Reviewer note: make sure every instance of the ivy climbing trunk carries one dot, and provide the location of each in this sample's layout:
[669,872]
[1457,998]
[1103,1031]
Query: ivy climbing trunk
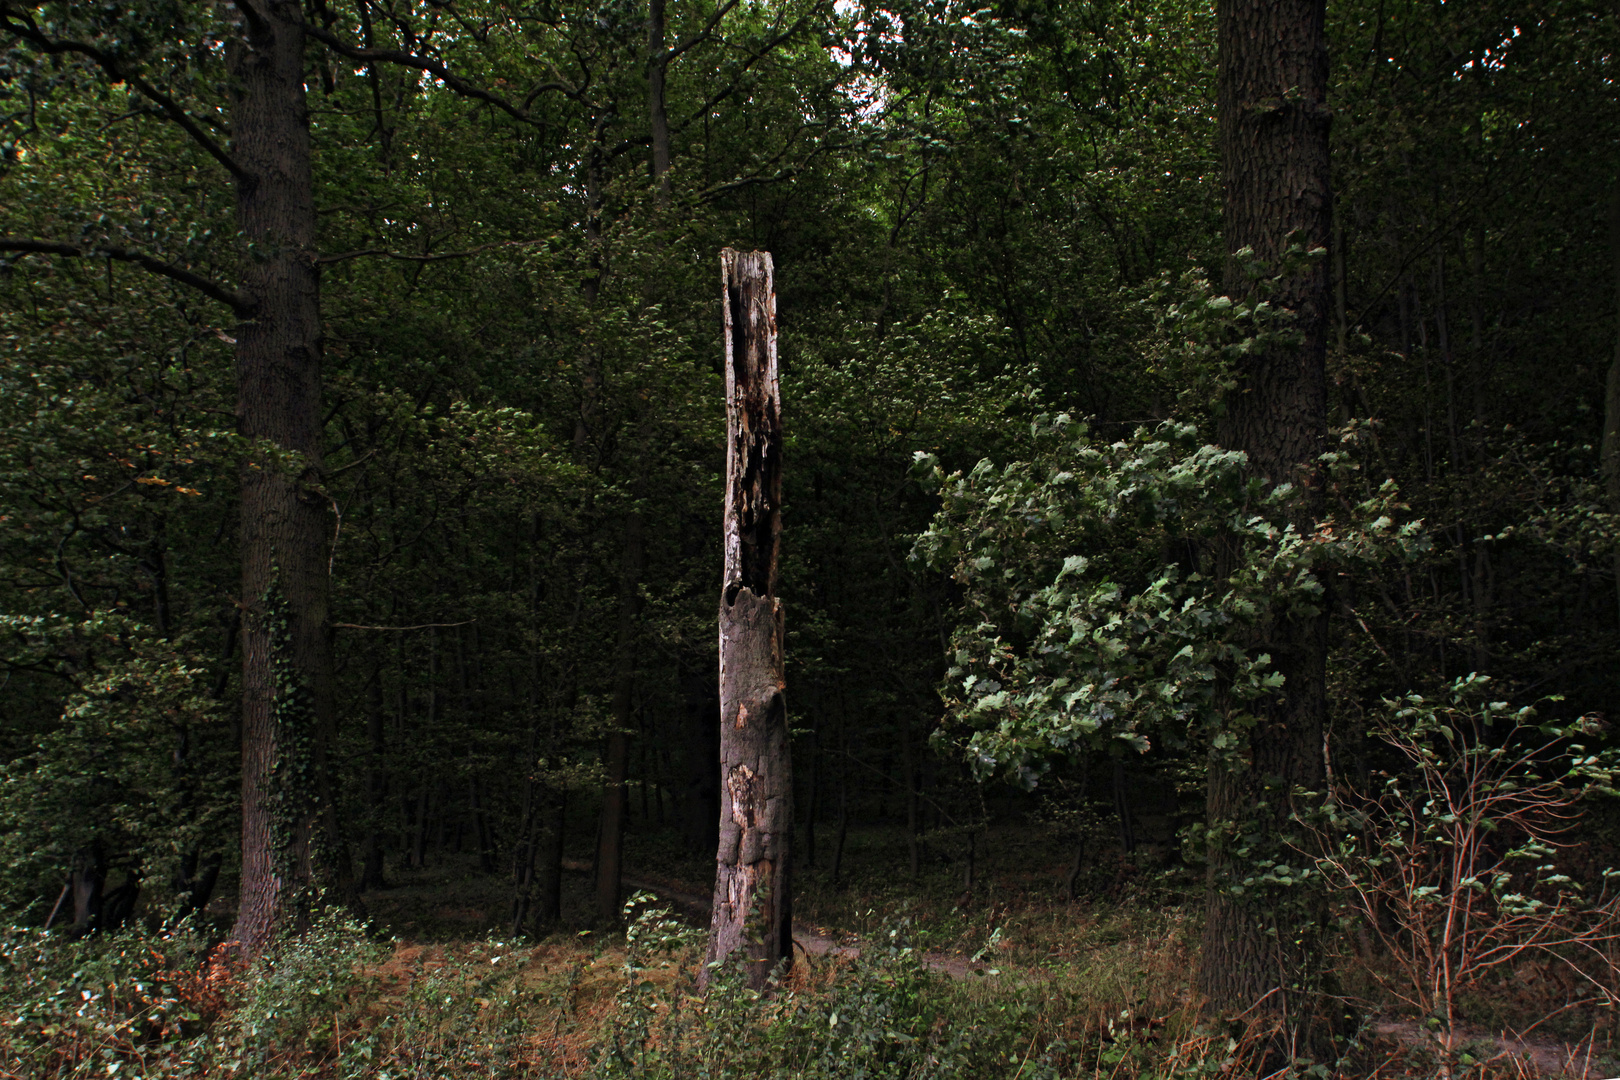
[1272,87]
[286,665]
[753,888]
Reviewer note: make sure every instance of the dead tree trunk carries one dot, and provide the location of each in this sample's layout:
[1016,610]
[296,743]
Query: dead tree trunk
[753,896]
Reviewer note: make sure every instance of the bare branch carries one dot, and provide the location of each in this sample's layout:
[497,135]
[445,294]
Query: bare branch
[117,72]
[403,257]
[238,303]
[702,35]
[433,67]
[419,626]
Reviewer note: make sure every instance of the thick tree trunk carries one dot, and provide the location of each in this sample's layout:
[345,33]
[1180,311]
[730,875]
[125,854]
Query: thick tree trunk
[1274,155]
[286,669]
[753,887]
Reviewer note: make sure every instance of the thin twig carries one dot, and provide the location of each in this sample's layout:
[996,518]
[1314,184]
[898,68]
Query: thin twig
[419,626]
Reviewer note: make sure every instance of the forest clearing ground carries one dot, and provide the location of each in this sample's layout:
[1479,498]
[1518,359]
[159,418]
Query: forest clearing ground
[1116,967]
[439,987]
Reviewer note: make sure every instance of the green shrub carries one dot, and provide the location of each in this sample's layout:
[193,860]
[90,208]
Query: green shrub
[882,1016]
[125,1005]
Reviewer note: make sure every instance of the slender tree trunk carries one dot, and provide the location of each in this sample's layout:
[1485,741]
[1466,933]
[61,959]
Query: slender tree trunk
[968,868]
[657,115]
[753,887]
[1122,808]
[523,851]
[810,812]
[419,845]
[1081,835]
[843,830]
[701,805]
[908,773]
[1611,396]
[371,875]
[1274,154]
[644,781]
[548,900]
[287,703]
[615,798]
[483,835]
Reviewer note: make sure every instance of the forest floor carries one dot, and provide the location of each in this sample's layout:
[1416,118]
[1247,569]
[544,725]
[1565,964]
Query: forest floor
[1114,965]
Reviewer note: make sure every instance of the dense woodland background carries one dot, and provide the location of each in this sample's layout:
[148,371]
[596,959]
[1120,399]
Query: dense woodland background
[981,218]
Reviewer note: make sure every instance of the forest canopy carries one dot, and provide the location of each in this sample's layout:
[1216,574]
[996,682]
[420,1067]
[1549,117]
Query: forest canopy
[1194,439]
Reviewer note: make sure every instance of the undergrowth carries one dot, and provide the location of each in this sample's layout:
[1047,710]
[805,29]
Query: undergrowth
[334,1003]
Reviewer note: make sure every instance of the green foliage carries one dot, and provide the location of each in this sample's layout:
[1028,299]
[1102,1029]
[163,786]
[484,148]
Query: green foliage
[1100,610]
[884,1016]
[107,775]
[293,996]
[122,1004]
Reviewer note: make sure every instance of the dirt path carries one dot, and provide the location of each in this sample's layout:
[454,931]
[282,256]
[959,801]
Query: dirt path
[813,941]
[1548,1057]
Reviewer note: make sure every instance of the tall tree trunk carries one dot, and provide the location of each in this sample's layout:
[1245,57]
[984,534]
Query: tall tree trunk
[1082,834]
[1274,156]
[371,873]
[753,885]
[657,115]
[287,702]
[548,901]
[908,773]
[1611,396]
[1122,808]
[810,812]
[701,803]
[615,797]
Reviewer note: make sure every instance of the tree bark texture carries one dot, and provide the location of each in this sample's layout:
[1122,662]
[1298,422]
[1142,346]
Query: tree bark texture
[284,524]
[1272,79]
[753,889]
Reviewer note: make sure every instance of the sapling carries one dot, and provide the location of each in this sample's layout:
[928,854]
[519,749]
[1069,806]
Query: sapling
[1451,859]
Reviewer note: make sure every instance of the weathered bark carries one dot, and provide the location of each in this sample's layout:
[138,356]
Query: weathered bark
[753,887]
[1274,155]
[284,527]
[615,799]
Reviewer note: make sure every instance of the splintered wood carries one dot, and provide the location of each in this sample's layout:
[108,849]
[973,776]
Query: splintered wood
[753,887]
